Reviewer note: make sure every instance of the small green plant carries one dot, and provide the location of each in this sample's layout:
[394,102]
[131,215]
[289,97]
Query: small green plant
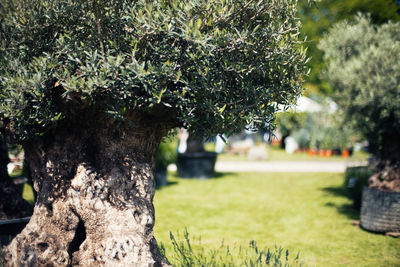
[185,255]
[166,153]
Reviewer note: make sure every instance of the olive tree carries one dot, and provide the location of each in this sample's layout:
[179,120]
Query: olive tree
[89,88]
[363,65]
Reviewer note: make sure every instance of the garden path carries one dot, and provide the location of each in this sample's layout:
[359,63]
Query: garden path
[280,166]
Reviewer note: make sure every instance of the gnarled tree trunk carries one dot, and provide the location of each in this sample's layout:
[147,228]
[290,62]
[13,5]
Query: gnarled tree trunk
[95,188]
[12,205]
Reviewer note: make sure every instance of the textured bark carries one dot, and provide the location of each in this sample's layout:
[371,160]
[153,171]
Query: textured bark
[95,186]
[12,205]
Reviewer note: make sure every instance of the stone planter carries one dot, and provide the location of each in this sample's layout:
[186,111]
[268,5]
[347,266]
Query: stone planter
[196,165]
[380,210]
[10,228]
[161,177]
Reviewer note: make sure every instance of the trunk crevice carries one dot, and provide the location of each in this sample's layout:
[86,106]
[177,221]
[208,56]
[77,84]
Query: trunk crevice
[79,238]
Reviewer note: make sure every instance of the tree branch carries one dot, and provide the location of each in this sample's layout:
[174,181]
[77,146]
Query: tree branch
[98,25]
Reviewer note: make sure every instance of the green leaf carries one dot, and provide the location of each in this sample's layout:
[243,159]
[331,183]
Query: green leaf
[222,109]
[198,23]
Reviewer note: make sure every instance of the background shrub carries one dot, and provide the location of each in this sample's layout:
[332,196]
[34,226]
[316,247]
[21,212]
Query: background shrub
[355,179]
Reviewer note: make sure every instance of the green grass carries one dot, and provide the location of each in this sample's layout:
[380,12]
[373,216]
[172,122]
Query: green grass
[27,194]
[306,213]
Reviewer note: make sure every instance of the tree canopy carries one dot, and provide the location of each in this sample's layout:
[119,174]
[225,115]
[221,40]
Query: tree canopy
[363,65]
[317,19]
[210,65]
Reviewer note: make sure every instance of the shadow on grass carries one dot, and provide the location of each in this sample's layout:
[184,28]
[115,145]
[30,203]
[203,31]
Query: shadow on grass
[223,174]
[217,175]
[169,183]
[346,209]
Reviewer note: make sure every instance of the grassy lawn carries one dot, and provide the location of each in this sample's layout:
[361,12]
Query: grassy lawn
[306,213]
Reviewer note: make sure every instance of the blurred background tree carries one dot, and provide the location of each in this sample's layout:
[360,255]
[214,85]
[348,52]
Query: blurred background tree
[362,64]
[317,19]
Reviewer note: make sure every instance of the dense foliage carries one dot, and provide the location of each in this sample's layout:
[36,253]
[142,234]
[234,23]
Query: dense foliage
[318,130]
[210,65]
[363,65]
[317,19]
[289,121]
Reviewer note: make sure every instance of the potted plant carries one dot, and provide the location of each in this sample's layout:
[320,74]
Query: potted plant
[363,75]
[195,162]
[328,140]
